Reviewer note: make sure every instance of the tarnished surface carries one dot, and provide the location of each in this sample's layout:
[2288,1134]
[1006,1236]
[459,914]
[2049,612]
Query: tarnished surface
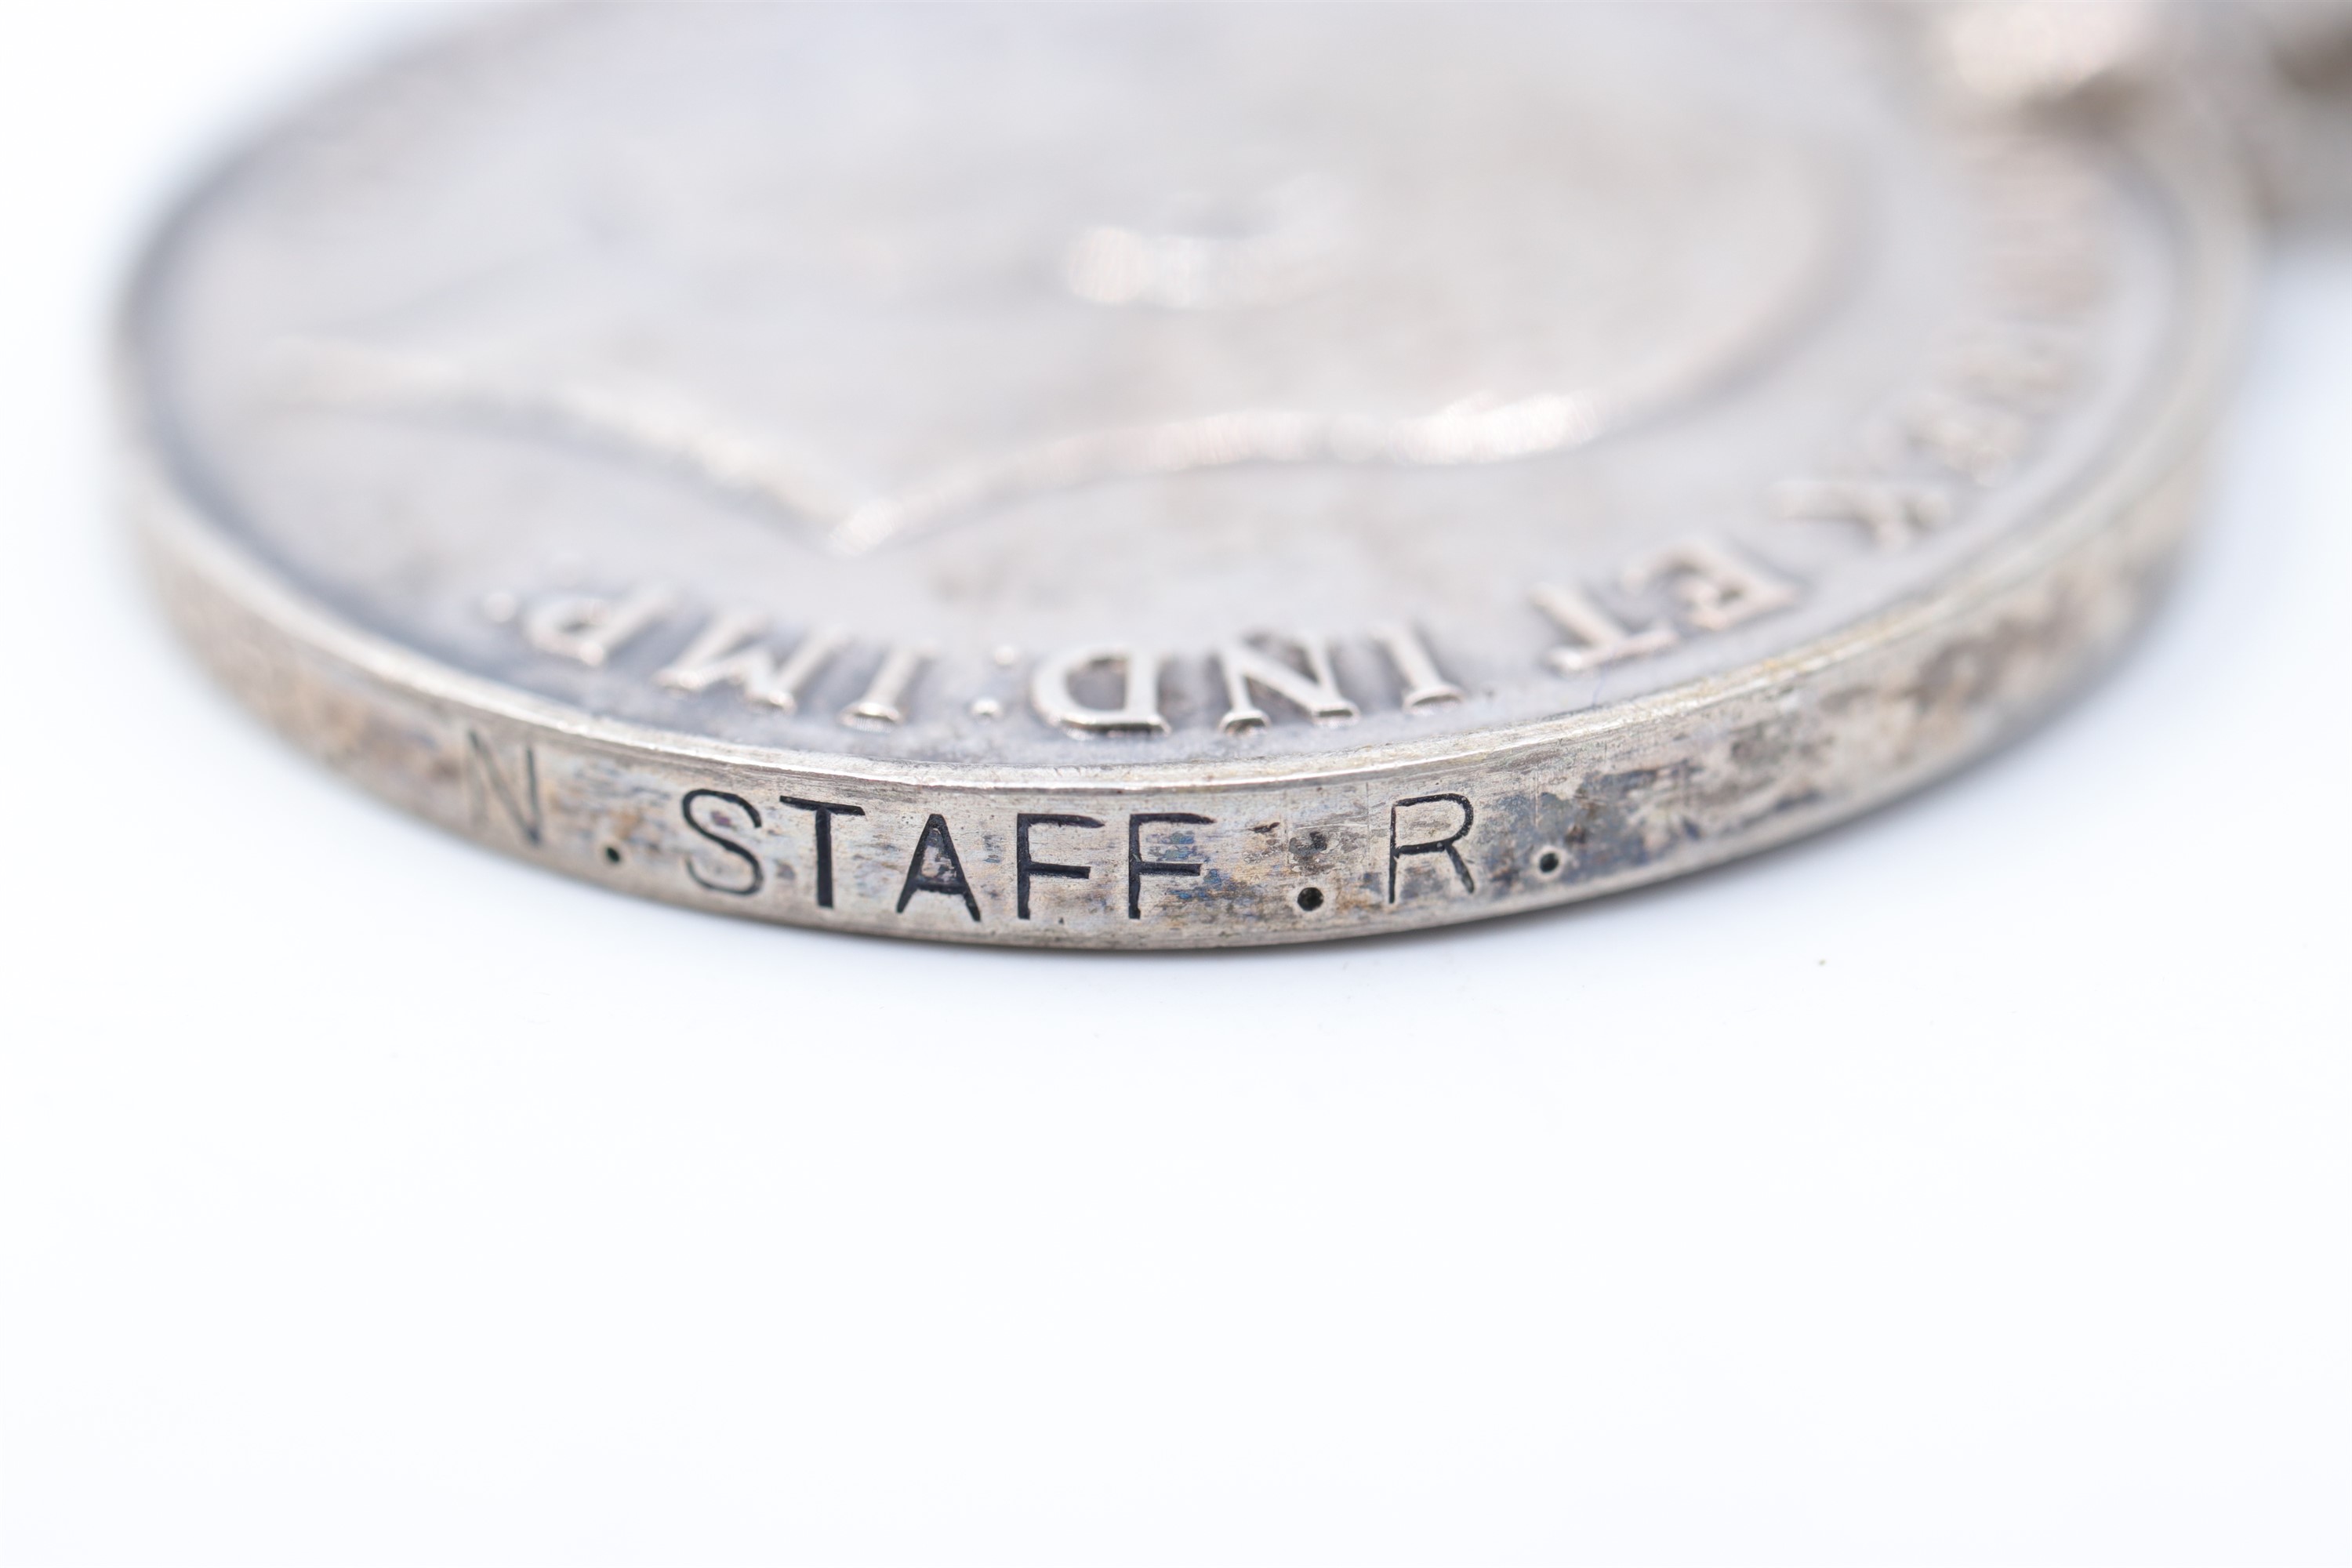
[1291,491]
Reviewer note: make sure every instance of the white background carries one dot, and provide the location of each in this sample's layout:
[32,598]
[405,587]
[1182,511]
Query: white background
[1968,1184]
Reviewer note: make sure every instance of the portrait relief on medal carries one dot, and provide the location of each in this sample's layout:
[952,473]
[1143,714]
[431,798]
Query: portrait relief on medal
[1152,386]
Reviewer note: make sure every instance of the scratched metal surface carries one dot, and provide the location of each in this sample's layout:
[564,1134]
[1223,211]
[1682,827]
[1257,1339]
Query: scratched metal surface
[1353,470]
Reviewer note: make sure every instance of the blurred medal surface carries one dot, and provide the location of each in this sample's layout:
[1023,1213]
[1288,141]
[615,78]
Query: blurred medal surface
[1185,477]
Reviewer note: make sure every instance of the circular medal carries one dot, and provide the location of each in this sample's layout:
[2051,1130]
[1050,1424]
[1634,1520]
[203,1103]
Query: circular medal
[1134,477]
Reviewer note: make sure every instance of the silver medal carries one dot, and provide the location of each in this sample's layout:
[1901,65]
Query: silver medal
[1133,478]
